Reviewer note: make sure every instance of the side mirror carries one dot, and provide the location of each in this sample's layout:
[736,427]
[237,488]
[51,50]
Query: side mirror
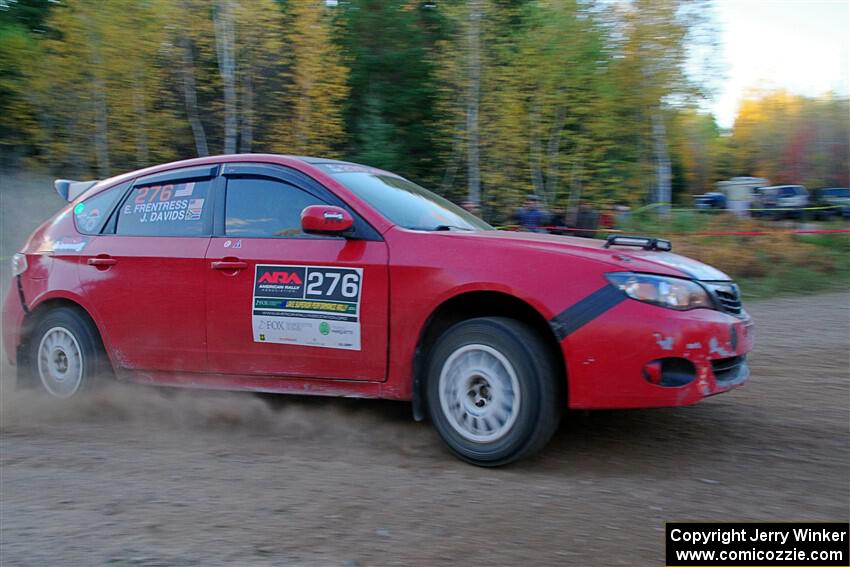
[325,219]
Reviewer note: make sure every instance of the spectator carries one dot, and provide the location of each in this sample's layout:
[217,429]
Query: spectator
[558,221]
[606,217]
[622,213]
[530,216]
[588,219]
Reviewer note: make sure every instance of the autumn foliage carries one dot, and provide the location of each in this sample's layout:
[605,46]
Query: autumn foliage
[482,99]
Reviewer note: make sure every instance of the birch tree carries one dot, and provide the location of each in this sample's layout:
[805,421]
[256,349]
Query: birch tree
[472,100]
[652,72]
[224,40]
[318,89]
[261,69]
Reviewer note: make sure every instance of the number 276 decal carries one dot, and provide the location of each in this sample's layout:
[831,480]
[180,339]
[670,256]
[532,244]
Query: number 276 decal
[332,284]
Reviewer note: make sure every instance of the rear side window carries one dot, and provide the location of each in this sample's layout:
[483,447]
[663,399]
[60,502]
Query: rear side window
[265,208]
[169,209]
[91,214]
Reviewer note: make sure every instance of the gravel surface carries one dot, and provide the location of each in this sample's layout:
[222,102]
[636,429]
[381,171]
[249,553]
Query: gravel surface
[142,476]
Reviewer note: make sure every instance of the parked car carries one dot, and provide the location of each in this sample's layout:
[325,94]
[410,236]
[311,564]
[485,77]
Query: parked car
[831,202]
[312,276]
[781,201]
[712,201]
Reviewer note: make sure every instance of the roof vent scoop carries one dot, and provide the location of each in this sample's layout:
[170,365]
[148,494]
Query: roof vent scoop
[70,190]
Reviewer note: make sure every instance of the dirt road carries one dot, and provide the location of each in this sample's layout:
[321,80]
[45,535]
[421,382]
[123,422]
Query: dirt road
[142,476]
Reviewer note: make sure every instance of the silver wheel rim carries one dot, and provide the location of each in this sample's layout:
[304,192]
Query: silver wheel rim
[60,362]
[479,393]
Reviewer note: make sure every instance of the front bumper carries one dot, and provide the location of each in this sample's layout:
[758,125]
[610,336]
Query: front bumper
[607,358]
[13,321]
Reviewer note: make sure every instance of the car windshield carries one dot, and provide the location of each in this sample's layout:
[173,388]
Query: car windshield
[407,204]
[789,191]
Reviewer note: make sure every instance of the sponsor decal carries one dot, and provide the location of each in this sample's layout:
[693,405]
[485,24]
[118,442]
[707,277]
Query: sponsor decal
[165,203]
[346,168]
[281,278]
[89,222]
[87,219]
[70,244]
[307,305]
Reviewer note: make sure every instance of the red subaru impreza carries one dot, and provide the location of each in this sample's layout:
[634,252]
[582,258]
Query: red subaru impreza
[282,274]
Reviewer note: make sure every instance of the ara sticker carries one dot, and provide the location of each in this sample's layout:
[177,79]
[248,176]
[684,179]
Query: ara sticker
[307,305]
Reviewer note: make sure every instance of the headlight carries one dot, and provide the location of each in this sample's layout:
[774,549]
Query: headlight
[673,293]
[19,264]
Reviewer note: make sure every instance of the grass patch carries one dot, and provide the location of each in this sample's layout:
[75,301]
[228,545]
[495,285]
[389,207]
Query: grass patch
[765,265]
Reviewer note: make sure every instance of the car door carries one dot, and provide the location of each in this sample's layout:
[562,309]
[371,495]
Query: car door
[281,303]
[144,274]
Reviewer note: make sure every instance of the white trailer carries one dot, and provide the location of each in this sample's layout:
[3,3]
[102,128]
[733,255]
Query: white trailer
[739,193]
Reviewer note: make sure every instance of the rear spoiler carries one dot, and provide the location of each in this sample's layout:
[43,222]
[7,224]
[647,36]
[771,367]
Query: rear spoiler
[70,190]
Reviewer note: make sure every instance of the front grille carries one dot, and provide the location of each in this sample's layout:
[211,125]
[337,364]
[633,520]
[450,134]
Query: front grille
[727,296]
[729,369]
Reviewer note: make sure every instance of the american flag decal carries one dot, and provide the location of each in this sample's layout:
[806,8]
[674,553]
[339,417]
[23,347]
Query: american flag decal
[196,207]
[185,190]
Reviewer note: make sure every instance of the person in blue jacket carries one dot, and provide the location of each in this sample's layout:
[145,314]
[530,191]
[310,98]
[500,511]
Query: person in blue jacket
[531,216]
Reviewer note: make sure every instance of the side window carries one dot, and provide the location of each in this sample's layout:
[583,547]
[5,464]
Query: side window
[170,209]
[264,208]
[91,214]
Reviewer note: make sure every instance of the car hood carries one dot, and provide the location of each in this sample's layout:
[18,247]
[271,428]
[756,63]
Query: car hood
[624,258]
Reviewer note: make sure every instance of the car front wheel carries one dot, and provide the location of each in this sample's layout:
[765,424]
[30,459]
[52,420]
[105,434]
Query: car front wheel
[492,391]
[66,354]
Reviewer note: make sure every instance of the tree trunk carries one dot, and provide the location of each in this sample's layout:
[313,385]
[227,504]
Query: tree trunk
[246,139]
[191,98]
[662,163]
[454,164]
[101,137]
[535,150]
[474,40]
[575,190]
[141,119]
[553,149]
[227,70]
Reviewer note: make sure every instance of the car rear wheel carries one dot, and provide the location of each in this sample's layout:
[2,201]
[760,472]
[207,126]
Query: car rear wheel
[492,391]
[65,353]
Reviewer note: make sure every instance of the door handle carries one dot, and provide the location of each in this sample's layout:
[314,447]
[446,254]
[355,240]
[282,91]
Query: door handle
[228,265]
[102,262]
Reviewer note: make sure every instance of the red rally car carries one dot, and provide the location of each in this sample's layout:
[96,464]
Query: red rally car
[313,276]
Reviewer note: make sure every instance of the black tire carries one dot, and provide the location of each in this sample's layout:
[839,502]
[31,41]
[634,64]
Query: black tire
[76,346]
[524,423]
